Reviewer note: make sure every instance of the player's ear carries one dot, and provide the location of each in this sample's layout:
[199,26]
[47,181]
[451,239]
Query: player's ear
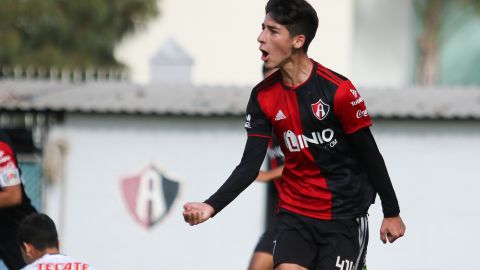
[28,252]
[298,41]
[24,246]
[27,248]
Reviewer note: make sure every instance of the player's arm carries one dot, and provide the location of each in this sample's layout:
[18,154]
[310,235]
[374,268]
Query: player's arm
[350,108]
[10,183]
[10,196]
[259,131]
[243,175]
[267,176]
[366,149]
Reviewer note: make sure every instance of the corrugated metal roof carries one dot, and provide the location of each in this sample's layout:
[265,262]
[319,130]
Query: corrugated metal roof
[424,103]
[123,97]
[128,98]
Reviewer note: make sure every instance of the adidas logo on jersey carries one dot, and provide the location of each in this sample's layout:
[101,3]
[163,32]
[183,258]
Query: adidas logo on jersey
[280,116]
[354,93]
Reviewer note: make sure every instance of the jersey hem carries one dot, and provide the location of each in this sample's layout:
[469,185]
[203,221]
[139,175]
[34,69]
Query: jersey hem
[322,216]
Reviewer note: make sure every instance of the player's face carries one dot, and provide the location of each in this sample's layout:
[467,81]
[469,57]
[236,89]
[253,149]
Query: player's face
[276,44]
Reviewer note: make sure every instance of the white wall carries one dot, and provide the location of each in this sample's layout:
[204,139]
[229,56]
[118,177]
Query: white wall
[434,169]
[433,166]
[97,226]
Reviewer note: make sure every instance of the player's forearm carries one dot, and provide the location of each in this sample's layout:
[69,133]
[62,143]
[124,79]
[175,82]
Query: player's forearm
[366,149]
[10,196]
[243,175]
[270,175]
[381,182]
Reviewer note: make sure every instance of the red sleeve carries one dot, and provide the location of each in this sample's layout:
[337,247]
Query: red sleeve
[257,124]
[9,173]
[350,108]
[6,156]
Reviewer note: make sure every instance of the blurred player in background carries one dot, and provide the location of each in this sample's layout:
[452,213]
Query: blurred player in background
[38,239]
[14,204]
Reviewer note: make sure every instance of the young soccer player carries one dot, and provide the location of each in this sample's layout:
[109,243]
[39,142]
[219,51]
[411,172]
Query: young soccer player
[333,168]
[38,239]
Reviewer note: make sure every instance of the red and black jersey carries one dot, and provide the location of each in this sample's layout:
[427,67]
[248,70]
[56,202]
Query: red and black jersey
[275,159]
[10,217]
[322,177]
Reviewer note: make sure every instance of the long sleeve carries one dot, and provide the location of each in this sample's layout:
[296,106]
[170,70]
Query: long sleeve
[243,175]
[366,149]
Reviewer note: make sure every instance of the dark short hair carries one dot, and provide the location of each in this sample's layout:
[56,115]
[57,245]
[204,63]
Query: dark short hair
[298,16]
[38,230]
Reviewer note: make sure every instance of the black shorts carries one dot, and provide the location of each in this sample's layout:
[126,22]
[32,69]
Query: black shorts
[321,244]
[265,243]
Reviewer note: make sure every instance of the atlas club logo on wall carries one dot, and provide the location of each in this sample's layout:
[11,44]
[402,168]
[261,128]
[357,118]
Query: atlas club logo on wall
[149,195]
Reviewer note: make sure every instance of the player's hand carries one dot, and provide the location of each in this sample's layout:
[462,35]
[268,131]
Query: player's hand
[195,213]
[392,229]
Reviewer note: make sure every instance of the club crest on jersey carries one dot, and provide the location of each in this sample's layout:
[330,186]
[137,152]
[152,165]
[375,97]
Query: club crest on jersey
[149,195]
[320,109]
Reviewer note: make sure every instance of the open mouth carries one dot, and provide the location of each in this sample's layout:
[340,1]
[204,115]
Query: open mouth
[264,55]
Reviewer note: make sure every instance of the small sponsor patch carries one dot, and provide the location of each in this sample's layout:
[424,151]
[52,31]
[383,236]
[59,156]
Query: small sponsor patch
[4,159]
[357,101]
[247,122]
[9,176]
[362,113]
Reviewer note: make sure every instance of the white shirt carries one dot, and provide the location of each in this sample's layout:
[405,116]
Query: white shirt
[57,262]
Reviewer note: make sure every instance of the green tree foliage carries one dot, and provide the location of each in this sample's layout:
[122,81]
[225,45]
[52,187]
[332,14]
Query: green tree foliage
[432,23]
[68,33]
